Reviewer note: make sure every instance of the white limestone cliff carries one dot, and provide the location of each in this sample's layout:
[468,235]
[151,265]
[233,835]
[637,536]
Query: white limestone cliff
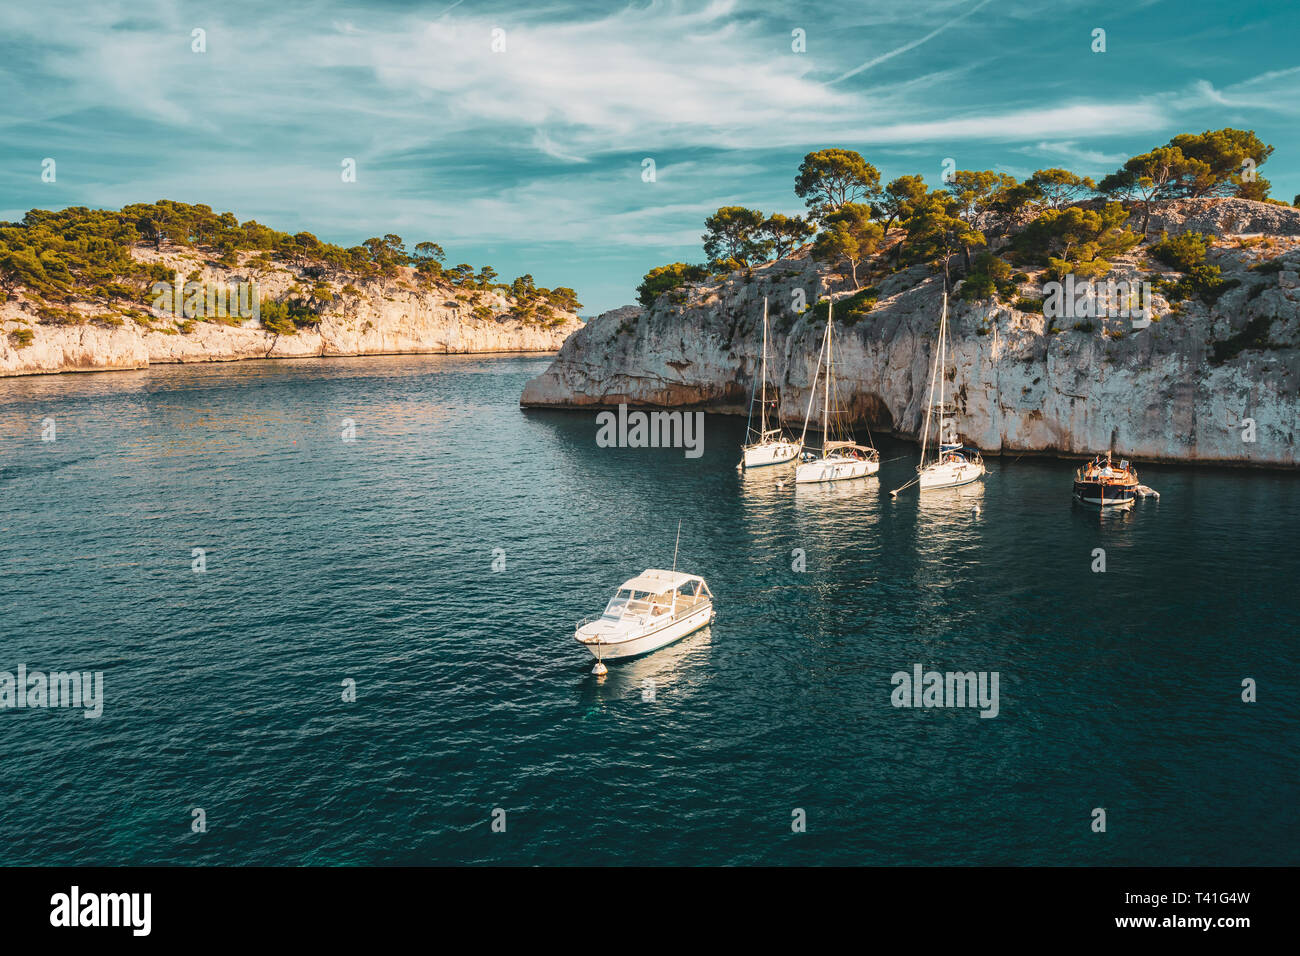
[1179,390]
[385,317]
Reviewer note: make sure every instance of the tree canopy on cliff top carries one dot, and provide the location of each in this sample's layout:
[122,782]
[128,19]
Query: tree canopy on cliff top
[852,215]
[79,254]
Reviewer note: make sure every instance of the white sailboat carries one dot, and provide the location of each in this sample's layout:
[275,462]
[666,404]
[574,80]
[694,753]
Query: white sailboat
[954,464]
[840,458]
[766,446]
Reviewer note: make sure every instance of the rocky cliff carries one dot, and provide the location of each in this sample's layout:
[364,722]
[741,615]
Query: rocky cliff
[385,317]
[1208,383]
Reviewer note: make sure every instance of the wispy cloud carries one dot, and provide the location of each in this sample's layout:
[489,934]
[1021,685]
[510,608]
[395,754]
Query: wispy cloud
[1076,157]
[913,44]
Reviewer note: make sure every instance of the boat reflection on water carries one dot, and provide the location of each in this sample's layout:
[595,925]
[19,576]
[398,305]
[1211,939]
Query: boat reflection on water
[1105,517]
[955,506]
[653,674]
[830,508]
[768,483]
[858,489]
[949,520]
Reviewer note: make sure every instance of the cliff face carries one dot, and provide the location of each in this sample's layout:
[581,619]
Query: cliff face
[392,316]
[1178,390]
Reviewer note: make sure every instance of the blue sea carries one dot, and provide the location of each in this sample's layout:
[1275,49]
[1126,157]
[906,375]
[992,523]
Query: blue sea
[438,561]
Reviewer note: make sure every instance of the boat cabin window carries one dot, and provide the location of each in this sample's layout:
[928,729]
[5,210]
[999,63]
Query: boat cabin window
[689,589]
[617,603]
[627,600]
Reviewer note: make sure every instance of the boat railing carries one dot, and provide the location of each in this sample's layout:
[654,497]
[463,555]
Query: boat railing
[647,615]
[1105,474]
[687,603]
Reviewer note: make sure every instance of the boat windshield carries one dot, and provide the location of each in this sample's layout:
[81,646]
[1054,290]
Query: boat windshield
[637,602]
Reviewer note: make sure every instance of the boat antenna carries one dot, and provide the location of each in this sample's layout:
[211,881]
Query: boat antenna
[679,541]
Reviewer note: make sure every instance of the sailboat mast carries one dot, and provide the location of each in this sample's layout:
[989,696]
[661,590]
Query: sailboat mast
[812,393]
[934,372]
[943,368]
[762,415]
[830,378]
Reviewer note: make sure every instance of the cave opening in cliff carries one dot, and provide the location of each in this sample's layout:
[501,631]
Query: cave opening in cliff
[871,410]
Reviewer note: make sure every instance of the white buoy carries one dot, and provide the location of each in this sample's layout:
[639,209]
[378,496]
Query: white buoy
[600,670]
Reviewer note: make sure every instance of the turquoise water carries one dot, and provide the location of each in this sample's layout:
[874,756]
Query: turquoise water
[372,561]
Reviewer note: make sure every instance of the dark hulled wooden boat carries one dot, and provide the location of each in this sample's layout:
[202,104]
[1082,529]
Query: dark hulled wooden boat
[1105,484]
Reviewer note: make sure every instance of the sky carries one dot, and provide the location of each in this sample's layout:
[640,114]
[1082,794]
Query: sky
[531,157]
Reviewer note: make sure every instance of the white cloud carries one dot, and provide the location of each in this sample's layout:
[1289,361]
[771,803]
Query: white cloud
[1074,155]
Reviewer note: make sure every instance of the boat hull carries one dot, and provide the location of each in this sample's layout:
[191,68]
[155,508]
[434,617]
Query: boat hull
[948,475]
[1101,495]
[618,647]
[832,469]
[764,456]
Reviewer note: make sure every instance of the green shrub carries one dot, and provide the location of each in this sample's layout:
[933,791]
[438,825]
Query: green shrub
[669,278]
[850,310]
[1186,253]
[275,317]
[989,276]
[1182,252]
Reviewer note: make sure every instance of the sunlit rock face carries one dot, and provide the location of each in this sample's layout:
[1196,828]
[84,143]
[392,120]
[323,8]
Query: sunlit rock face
[1197,384]
[387,317]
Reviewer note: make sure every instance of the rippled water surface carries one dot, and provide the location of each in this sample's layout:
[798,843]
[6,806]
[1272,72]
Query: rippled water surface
[372,561]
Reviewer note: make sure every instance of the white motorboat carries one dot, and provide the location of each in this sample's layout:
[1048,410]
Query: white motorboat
[841,457]
[954,464]
[765,446]
[650,611]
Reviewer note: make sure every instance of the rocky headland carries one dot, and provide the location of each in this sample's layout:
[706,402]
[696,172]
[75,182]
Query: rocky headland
[1206,381]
